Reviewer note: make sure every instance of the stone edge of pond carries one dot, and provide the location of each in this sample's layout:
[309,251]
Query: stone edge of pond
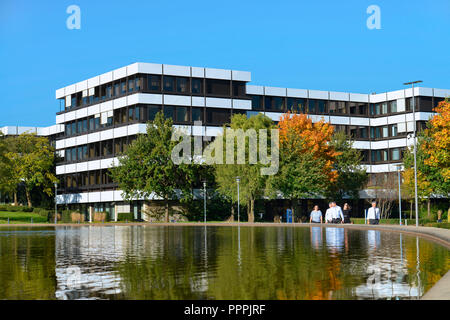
[440,290]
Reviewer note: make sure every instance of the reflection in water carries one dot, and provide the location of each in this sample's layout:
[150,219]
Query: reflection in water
[158,262]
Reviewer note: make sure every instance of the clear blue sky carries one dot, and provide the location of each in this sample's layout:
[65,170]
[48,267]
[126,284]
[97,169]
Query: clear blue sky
[322,45]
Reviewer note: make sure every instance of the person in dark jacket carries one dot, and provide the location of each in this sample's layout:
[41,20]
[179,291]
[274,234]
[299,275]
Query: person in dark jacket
[347,211]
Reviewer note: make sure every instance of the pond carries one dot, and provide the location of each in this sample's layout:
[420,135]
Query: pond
[197,262]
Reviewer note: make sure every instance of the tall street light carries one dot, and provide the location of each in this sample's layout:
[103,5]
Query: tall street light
[238,180]
[204,199]
[56,203]
[399,166]
[415,149]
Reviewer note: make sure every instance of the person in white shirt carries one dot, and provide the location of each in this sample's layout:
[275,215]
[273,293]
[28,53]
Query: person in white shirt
[338,215]
[329,213]
[373,214]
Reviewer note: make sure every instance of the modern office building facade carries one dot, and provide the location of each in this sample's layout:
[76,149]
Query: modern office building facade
[100,116]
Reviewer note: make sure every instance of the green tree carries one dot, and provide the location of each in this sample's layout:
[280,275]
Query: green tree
[351,176]
[147,169]
[252,182]
[30,160]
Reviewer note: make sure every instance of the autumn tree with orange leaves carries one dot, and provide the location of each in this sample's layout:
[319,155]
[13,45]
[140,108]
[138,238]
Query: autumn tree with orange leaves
[306,158]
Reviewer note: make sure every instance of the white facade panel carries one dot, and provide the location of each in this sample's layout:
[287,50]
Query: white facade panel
[70,89]
[317,118]
[340,96]
[135,99]
[177,100]
[275,91]
[241,75]
[213,131]
[242,104]
[397,143]
[396,119]
[80,86]
[120,73]
[375,122]
[69,116]
[106,106]
[106,77]
[94,82]
[119,103]
[198,101]
[60,170]
[425,91]
[361,145]
[197,72]
[317,94]
[379,168]
[217,74]
[151,68]
[60,144]
[71,168]
[359,121]
[375,98]
[107,196]
[94,165]
[218,102]
[149,98]
[93,110]
[70,142]
[394,95]
[107,163]
[59,94]
[120,132]
[176,70]
[60,118]
[198,131]
[81,140]
[401,105]
[95,197]
[376,145]
[93,137]
[275,116]
[137,128]
[106,135]
[401,127]
[297,93]
[442,93]
[82,166]
[250,89]
[359,97]
[339,120]
[81,113]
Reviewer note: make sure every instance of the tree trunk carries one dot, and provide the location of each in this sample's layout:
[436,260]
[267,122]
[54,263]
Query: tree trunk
[251,212]
[231,218]
[429,208]
[27,192]
[15,199]
[166,215]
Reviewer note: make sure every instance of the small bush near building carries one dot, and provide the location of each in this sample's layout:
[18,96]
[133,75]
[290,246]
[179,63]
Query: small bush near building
[125,216]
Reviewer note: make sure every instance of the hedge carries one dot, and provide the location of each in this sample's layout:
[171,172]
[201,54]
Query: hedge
[10,208]
[125,216]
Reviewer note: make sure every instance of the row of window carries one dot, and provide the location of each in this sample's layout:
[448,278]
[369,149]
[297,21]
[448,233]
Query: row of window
[155,84]
[144,113]
[86,179]
[310,106]
[385,155]
[100,149]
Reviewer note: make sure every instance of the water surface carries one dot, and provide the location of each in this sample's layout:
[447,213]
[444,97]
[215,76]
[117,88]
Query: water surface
[158,262]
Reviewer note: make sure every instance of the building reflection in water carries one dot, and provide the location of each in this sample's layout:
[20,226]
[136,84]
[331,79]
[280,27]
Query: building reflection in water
[386,270]
[316,237]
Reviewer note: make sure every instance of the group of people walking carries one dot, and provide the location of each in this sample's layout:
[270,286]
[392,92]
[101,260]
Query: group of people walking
[335,214]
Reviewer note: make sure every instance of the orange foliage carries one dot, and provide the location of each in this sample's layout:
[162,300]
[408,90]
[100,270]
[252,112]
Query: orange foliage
[315,138]
[438,144]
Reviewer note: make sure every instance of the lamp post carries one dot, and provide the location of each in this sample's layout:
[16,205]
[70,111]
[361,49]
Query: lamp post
[415,149]
[204,199]
[56,203]
[238,180]
[399,194]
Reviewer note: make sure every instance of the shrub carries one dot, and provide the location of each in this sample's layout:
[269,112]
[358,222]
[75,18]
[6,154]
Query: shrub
[125,216]
[10,208]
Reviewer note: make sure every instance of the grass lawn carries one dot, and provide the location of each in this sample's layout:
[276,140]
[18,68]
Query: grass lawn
[21,217]
[411,222]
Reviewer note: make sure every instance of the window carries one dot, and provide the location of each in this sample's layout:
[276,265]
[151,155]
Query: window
[426,104]
[109,91]
[152,111]
[182,85]
[296,105]
[393,106]
[197,114]
[138,84]
[131,85]
[217,116]
[385,132]
[169,84]
[117,89]
[337,107]
[218,87]
[79,126]
[257,103]
[154,83]
[68,129]
[197,86]
[311,106]
[358,108]
[409,103]
[238,89]
[123,86]
[130,114]
[182,114]
[107,147]
[274,103]
[363,132]
[394,130]
[85,126]
[396,154]
[321,106]
[169,112]
[384,108]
